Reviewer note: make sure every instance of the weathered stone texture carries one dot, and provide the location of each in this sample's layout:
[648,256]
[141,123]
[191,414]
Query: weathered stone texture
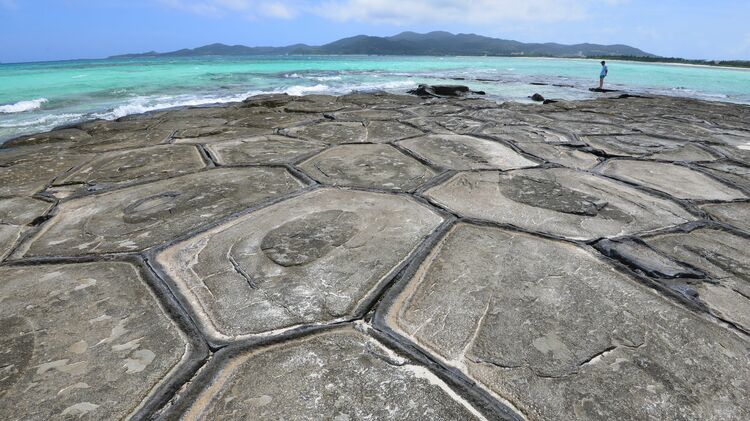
[370,166]
[81,341]
[558,201]
[139,217]
[736,214]
[262,150]
[458,152]
[678,181]
[338,375]
[557,332]
[312,259]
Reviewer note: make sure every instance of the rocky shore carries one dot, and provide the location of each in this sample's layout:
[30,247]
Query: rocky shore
[380,256]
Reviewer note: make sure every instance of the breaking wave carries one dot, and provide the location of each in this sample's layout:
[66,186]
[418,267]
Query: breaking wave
[23,106]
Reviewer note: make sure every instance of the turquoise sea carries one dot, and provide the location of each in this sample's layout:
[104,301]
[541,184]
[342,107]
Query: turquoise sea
[39,96]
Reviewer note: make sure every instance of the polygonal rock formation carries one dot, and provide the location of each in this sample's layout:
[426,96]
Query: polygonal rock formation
[15,214]
[82,341]
[734,173]
[735,214]
[562,155]
[105,141]
[725,257]
[340,375]
[466,153]
[204,135]
[111,169]
[332,133]
[267,119]
[262,150]
[24,175]
[368,114]
[558,201]
[553,330]
[62,137]
[389,131]
[678,181]
[316,258]
[369,166]
[139,217]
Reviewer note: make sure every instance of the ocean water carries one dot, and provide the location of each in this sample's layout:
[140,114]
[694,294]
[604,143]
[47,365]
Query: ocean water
[36,97]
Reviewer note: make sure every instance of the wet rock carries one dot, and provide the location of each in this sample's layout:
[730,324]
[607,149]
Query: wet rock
[553,330]
[316,258]
[725,257]
[138,217]
[557,201]
[641,257]
[112,169]
[267,101]
[466,152]
[369,166]
[537,98]
[82,341]
[735,214]
[319,375]
[262,150]
[678,181]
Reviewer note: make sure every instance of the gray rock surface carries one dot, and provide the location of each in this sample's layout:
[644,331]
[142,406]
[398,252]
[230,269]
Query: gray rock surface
[678,181]
[369,166]
[139,217]
[558,201]
[557,332]
[262,150]
[380,256]
[81,341]
[736,214]
[725,257]
[315,258]
[466,153]
[319,377]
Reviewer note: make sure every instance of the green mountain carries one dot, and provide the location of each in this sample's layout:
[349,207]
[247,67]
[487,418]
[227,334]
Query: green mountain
[411,43]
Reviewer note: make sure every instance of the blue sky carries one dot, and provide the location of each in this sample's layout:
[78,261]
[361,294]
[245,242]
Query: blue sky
[34,30]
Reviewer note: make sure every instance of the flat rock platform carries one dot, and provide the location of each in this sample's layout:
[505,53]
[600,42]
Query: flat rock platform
[376,256]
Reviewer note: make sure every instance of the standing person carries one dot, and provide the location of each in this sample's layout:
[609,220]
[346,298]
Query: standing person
[602,74]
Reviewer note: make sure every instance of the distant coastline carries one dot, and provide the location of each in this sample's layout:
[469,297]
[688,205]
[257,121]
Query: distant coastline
[742,64]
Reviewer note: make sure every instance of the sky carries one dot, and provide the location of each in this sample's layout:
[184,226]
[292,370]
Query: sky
[43,30]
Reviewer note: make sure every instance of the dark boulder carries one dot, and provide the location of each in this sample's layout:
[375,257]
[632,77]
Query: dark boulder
[443,91]
[537,98]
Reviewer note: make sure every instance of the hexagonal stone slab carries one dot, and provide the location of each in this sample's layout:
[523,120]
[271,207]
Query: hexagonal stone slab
[26,174]
[262,150]
[62,137]
[82,341]
[726,259]
[113,169]
[273,119]
[565,156]
[316,258]
[734,173]
[321,376]
[330,132]
[369,166]
[641,145]
[15,214]
[558,201]
[138,217]
[554,330]
[105,141]
[678,181]
[204,135]
[736,214]
[389,131]
[466,153]
[524,134]
[368,114]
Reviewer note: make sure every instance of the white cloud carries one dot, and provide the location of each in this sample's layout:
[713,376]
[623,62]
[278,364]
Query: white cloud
[403,12]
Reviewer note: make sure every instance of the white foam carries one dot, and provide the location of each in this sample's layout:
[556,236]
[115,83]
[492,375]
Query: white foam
[142,104]
[23,106]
